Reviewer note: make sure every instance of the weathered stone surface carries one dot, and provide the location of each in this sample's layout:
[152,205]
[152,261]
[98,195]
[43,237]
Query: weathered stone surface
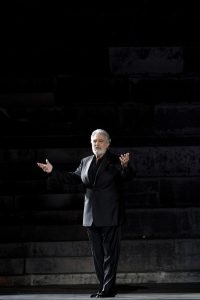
[157,90]
[90,278]
[126,90]
[59,265]
[183,119]
[27,83]
[91,89]
[65,225]
[131,118]
[11,266]
[11,233]
[150,161]
[19,233]
[187,254]
[162,223]
[14,156]
[57,249]
[64,155]
[166,161]
[138,260]
[49,201]
[54,233]
[142,192]
[180,192]
[45,249]
[132,60]
[163,192]
[159,255]
[142,199]
[136,255]
[70,218]
[27,99]
[12,250]
[15,186]
[6,203]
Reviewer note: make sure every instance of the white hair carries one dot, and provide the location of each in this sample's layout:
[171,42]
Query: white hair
[103,132]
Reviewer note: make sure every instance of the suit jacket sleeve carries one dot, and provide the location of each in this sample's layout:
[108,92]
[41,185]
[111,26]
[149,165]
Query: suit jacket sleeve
[59,180]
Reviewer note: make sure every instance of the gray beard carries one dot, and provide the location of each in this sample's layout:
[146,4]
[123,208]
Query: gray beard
[99,152]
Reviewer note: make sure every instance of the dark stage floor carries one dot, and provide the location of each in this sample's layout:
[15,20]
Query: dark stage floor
[139,292]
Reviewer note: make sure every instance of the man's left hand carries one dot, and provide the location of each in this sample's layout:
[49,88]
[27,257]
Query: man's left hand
[124,159]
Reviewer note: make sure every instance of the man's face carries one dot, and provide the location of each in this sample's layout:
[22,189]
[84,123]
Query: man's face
[99,144]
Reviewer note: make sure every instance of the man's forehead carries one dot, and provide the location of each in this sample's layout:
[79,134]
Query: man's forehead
[99,136]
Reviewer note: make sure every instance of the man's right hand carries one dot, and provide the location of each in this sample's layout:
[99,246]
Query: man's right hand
[46,167]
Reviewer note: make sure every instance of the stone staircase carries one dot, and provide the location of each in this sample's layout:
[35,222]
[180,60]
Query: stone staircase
[44,243]
[146,93]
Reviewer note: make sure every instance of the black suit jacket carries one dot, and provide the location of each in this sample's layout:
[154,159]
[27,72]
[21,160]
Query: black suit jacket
[103,204]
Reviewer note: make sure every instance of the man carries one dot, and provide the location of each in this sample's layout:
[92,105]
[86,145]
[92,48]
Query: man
[102,175]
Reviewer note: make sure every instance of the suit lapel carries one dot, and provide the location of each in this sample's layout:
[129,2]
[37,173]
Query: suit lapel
[87,166]
[102,167]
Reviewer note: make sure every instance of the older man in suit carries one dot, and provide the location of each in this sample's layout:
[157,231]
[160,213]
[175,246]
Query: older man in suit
[102,175]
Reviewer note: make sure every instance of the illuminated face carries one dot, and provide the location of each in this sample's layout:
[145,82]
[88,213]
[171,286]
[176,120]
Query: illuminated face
[100,144]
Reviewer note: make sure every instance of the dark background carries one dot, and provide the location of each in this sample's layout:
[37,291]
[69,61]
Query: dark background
[66,70]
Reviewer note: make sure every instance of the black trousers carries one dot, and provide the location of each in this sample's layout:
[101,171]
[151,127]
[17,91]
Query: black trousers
[105,245]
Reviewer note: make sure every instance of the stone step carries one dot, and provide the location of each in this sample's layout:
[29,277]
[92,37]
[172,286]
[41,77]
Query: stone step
[31,186]
[171,248]
[165,223]
[15,187]
[44,202]
[37,217]
[127,133]
[61,225]
[133,60]
[28,157]
[177,119]
[137,88]
[62,121]
[141,193]
[74,140]
[120,90]
[69,59]
[133,89]
[20,171]
[150,161]
[153,60]
[126,279]
[45,249]
[26,99]
[174,182]
[27,129]
[92,89]
[163,192]
[27,83]
[136,256]
[42,114]
[24,233]
[168,89]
